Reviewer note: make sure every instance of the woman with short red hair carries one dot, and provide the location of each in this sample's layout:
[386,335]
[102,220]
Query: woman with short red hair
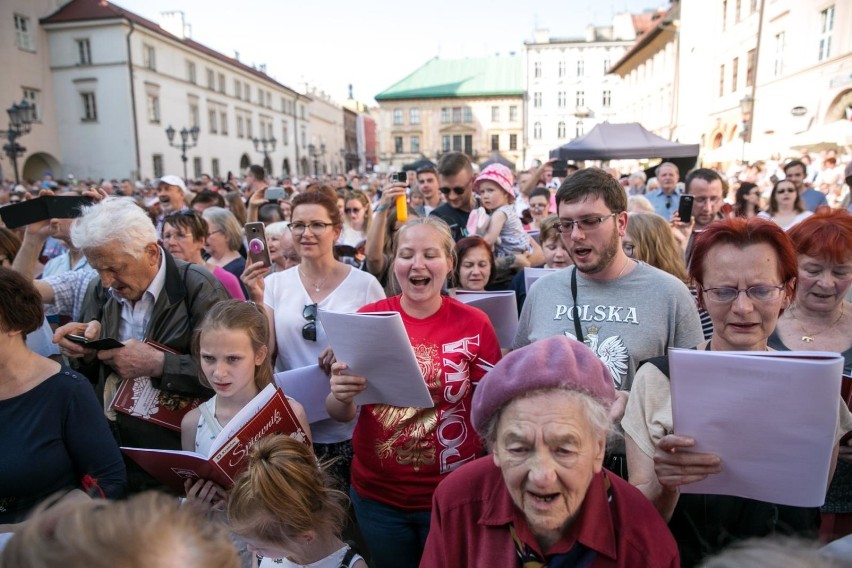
[820,319]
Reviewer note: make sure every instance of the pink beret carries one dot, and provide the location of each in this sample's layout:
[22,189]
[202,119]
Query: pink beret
[554,362]
[499,174]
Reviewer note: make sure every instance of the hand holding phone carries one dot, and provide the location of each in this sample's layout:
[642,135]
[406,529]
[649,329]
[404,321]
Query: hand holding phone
[257,248]
[684,209]
[96,344]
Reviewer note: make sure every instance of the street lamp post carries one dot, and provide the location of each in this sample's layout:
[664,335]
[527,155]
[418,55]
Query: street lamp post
[21,118]
[746,108]
[184,145]
[316,153]
[266,147]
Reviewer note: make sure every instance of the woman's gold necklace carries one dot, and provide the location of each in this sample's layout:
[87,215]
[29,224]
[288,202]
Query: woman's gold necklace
[809,337]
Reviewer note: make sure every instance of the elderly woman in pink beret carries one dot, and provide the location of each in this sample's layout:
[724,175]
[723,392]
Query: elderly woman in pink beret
[543,497]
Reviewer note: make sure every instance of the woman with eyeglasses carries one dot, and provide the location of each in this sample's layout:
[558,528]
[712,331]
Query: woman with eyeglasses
[539,206]
[357,214]
[745,272]
[747,200]
[785,205]
[184,236]
[820,319]
[401,454]
[293,297]
[224,239]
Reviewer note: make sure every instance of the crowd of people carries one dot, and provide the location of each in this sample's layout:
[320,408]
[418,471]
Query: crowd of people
[557,450]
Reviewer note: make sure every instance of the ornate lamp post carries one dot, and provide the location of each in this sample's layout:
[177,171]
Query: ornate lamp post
[21,118]
[316,153]
[746,108]
[184,145]
[266,147]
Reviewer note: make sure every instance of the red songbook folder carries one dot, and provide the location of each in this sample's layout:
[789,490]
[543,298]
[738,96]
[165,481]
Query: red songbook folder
[141,399]
[266,414]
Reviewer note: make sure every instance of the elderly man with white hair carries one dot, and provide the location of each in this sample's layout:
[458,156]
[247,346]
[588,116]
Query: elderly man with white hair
[142,293]
[636,183]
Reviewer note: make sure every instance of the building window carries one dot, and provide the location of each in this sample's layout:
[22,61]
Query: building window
[32,97]
[303,136]
[247,92]
[23,33]
[415,144]
[249,128]
[285,134]
[721,79]
[578,129]
[190,72]
[495,114]
[397,144]
[560,130]
[537,131]
[513,141]
[397,117]
[211,115]
[211,78]
[194,116]
[153,109]
[214,166]
[580,99]
[752,6]
[414,116]
[581,68]
[468,144]
[196,167]
[607,99]
[778,66]
[223,122]
[513,113]
[84,52]
[826,26]
[562,68]
[158,165]
[468,115]
[222,83]
[445,115]
[456,115]
[238,89]
[445,143]
[90,107]
[724,15]
[149,57]
[735,74]
[606,63]
[737,10]
[268,99]
[560,99]
[536,100]
[537,69]
[750,68]
[495,142]
[457,143]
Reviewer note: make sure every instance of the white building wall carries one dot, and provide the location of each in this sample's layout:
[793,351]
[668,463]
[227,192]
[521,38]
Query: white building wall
[326,128]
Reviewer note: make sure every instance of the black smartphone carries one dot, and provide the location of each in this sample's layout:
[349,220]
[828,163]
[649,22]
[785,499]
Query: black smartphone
[257,249]
[684,209]
[97,344]
[560,168]
[43,208]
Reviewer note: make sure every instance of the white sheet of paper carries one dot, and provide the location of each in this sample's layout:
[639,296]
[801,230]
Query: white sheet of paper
[533,274]
[501,307]
[309,386]
[376,346]
[770,416]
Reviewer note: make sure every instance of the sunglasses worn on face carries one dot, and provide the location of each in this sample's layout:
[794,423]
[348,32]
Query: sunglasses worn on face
[309,330]
[351,210]
[456,190]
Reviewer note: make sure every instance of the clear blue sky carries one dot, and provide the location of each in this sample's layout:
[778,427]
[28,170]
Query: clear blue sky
[373,44]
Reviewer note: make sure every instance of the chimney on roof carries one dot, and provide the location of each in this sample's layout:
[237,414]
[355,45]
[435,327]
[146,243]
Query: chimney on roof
[591,33]
[262,68]
[236,55]
[174,23]
[541,36]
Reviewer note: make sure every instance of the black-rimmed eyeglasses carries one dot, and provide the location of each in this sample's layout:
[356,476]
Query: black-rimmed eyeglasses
[586,224]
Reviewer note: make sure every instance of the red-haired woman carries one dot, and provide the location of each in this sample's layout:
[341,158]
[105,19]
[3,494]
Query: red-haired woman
[820,319]
[475,266]
[745,279]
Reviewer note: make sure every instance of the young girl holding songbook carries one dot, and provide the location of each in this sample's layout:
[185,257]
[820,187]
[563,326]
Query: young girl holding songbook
[231,349]
[284,509]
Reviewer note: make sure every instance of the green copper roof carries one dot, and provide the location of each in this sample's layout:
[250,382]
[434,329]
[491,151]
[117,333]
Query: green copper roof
[473,77]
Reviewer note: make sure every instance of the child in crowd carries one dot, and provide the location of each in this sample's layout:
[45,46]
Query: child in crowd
[501,227]
[282,506]
[231,348]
